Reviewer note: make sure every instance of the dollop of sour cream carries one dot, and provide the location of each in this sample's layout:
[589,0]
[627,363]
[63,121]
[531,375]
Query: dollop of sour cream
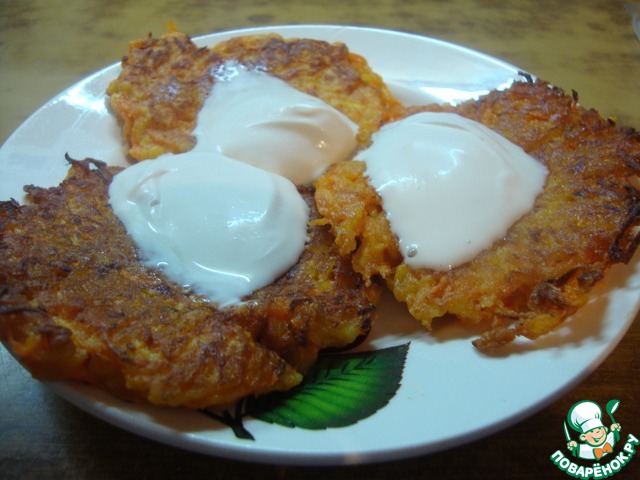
[263,121]
[219,226]
[450,186]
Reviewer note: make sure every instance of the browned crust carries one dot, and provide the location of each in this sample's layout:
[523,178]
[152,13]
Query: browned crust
[586,219]
[165,81]
[157,96]
[76,303]
[325,70]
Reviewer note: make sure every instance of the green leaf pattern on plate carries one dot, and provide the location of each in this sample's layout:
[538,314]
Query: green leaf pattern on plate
[338,391]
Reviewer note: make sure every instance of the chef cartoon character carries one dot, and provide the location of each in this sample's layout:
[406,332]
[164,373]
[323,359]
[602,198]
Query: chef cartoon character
[586,418]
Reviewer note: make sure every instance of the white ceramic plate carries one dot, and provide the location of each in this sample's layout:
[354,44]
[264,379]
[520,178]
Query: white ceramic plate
[450,393]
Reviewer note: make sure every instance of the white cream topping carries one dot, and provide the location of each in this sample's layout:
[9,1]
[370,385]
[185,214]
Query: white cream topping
[263,121]
[222,227]
[450,186]
[212,220]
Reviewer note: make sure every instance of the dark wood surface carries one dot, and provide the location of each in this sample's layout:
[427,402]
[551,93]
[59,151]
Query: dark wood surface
[46,45]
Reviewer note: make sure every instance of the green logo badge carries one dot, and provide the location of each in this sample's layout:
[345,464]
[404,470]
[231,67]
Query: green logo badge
[596,439]
[593,442]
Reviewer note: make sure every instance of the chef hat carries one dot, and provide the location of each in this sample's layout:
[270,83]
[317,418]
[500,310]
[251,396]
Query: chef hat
[585,416]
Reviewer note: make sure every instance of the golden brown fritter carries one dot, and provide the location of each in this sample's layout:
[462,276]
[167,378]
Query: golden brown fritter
[165,81]
[76,303]
[586,219]
[159,92]
[325,70]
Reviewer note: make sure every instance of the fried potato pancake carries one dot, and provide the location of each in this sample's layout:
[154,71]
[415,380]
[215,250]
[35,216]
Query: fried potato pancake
[76,303]
[159,92]
[165,81]
[325,70]
[586,219]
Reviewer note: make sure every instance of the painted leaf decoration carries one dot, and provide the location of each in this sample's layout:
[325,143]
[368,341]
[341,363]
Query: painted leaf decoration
[338,391]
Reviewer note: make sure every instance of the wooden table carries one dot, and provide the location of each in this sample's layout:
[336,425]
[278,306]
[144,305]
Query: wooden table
[47,45]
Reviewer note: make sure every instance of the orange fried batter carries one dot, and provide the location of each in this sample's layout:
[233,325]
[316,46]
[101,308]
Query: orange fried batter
[157,96]
[74,306]
[586,219]
[165,81]
[328,71]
